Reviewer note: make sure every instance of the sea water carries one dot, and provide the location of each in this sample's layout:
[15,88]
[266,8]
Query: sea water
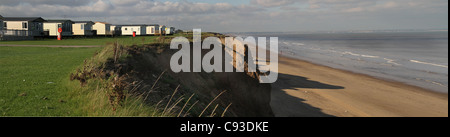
[415,58]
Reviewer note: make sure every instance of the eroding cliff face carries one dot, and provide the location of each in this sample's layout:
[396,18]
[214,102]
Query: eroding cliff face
[144,72]
[248,98]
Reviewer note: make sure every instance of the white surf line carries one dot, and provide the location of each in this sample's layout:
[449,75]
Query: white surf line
[333,51]
[420,62]
[299,44]
[370,56]
[391,61]
[432,82]
[351,53]
[360,55]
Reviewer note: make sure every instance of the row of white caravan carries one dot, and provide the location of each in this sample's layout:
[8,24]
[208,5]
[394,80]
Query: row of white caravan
[37,26]
[143,29]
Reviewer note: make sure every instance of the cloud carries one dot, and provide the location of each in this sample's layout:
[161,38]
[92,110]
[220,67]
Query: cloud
[256,15]
[354,6]
[125,2]
[46,2]
[342,5]
[111,8]
[94,8]
[273,3]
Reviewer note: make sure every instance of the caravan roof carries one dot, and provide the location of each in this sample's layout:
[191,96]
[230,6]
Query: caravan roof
[38,19]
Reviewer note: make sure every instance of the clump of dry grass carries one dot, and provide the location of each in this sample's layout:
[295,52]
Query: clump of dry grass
[211,103]
[169,109]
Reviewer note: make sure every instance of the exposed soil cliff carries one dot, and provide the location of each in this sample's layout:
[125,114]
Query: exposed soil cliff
[145,70]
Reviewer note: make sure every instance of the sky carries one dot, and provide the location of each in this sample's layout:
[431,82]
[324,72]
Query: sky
[244,15]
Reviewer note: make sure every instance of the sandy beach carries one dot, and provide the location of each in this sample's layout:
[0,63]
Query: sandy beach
[305,89]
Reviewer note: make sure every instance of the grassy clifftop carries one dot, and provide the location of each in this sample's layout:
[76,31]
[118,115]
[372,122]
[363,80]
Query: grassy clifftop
[33,80]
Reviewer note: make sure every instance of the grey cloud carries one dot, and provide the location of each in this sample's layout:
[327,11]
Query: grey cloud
[173,8]
[273,3]
[46,2]
[126,2]
[341,3]
[258,15]
[97,8]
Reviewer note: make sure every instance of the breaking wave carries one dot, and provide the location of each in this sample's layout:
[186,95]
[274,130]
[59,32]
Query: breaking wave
[426,63]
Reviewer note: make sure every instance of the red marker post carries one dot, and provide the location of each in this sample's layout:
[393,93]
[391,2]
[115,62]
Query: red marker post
[59,33]
[134,33]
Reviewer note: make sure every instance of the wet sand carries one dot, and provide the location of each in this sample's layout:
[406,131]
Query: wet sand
[305,89]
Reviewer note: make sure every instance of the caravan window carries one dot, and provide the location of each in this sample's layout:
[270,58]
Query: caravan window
[25,25]
[36,26]
[82,27]
[4,25]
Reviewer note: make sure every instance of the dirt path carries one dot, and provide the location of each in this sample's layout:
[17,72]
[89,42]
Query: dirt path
[306,89]
[56,46]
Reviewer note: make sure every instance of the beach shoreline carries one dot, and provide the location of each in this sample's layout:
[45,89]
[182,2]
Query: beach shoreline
[312,90]
[367,75]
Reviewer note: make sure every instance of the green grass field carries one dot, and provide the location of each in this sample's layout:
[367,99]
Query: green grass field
[34,80]
[123,40]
